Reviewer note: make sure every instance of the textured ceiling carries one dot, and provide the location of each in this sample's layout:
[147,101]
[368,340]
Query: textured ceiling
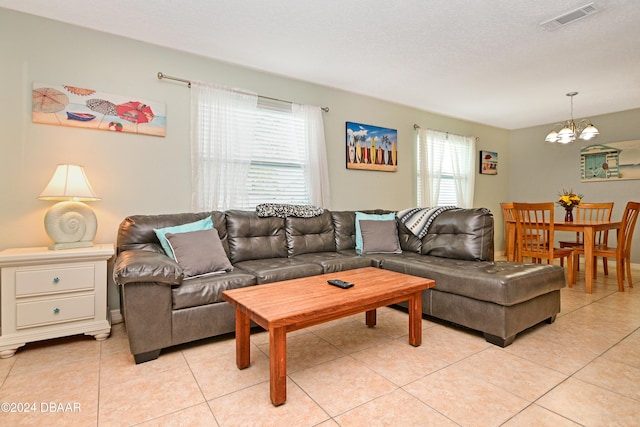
[485,61]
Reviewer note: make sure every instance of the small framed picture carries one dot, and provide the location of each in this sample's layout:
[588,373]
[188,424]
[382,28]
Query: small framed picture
[488,163]
[371,147]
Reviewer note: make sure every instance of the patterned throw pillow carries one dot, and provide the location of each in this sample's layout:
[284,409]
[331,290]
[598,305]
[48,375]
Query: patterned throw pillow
[283,210]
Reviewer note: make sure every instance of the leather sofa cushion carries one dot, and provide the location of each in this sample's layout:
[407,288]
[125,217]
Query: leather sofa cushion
[408,241]
[332,262]
[465,234]
[344,224]
[251,237]
[501,282]
[308,235]
[277,269]
[136,231]
[208,289]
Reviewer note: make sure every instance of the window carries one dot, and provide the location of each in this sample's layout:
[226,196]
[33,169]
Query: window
[278,159]
[248,150]
[445,169]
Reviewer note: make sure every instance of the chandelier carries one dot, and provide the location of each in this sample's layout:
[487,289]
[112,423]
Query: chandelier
[567,134]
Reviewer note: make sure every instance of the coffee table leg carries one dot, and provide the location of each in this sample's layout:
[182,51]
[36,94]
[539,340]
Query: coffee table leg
[371,318]
[415,319]
[243,346]
[278,365]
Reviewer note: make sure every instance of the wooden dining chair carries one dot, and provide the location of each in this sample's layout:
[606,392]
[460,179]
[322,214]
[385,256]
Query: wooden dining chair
[535,236]
[509,217]
[591,212]
[622,251]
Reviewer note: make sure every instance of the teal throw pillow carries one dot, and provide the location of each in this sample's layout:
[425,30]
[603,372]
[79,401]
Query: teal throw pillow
[203,224]
[372,217]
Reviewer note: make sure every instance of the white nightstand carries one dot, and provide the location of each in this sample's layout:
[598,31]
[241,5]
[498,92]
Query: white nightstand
[48,294]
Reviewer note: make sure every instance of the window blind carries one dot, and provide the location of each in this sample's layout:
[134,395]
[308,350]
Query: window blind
[276,173]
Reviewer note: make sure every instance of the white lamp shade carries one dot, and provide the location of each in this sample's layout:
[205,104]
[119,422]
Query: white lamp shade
[566,134]
[589,132]
[552,136]
[69,182]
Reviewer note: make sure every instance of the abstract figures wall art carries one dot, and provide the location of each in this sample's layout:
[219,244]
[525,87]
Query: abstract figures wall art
[371,147]
[73,106]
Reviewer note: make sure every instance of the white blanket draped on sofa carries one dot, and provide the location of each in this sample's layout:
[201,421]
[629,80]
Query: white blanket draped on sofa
[418,220]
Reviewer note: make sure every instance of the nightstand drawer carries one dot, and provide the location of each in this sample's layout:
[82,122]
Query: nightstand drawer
[48,279]
[53,311]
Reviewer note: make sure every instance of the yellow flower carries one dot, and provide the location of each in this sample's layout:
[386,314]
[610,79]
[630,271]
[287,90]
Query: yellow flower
[569,199]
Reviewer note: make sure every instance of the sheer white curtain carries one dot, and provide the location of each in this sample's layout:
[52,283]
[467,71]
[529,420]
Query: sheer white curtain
[230,132]
[446,169]
[317,167]
[220,119]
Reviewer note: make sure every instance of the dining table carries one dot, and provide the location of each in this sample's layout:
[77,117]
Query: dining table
[589,230]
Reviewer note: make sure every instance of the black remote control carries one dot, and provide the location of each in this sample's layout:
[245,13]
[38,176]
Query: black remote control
[340,283]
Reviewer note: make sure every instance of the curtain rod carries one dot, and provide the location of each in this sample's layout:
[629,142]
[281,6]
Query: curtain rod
[161,76]
[417,126]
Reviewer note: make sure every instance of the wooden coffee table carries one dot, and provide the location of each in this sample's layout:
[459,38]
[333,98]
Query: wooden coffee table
[295,304]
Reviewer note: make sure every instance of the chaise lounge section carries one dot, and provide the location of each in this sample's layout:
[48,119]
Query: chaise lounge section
[162,308]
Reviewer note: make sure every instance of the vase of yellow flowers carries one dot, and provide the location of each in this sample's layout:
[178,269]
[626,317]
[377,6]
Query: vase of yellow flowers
[569,200]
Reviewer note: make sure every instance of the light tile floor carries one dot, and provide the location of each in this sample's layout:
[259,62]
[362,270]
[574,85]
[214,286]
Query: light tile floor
[582,370]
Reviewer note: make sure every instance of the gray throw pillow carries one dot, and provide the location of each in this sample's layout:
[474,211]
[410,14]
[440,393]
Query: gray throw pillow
[380,236]
[199,252]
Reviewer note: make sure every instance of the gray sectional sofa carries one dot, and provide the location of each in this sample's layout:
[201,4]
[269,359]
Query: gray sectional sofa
[162,308]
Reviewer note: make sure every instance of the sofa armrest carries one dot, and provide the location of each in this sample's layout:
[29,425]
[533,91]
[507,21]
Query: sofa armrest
[146,308]
[146,266]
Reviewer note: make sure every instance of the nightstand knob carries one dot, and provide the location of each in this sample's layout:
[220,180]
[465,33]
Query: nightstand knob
[56,279]
[56,310]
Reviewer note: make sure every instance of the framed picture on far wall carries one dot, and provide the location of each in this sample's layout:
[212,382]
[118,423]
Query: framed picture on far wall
[610,161]
[488,163]
[371,147]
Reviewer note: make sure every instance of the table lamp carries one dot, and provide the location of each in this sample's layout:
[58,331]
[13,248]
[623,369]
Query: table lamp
[70,223]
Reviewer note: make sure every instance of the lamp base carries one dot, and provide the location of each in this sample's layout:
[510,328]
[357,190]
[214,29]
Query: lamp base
[70,225]
[58,246]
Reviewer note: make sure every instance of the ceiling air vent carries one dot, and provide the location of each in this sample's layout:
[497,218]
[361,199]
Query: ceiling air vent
[570,16]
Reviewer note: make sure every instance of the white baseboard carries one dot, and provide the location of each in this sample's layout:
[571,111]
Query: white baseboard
[116,316]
